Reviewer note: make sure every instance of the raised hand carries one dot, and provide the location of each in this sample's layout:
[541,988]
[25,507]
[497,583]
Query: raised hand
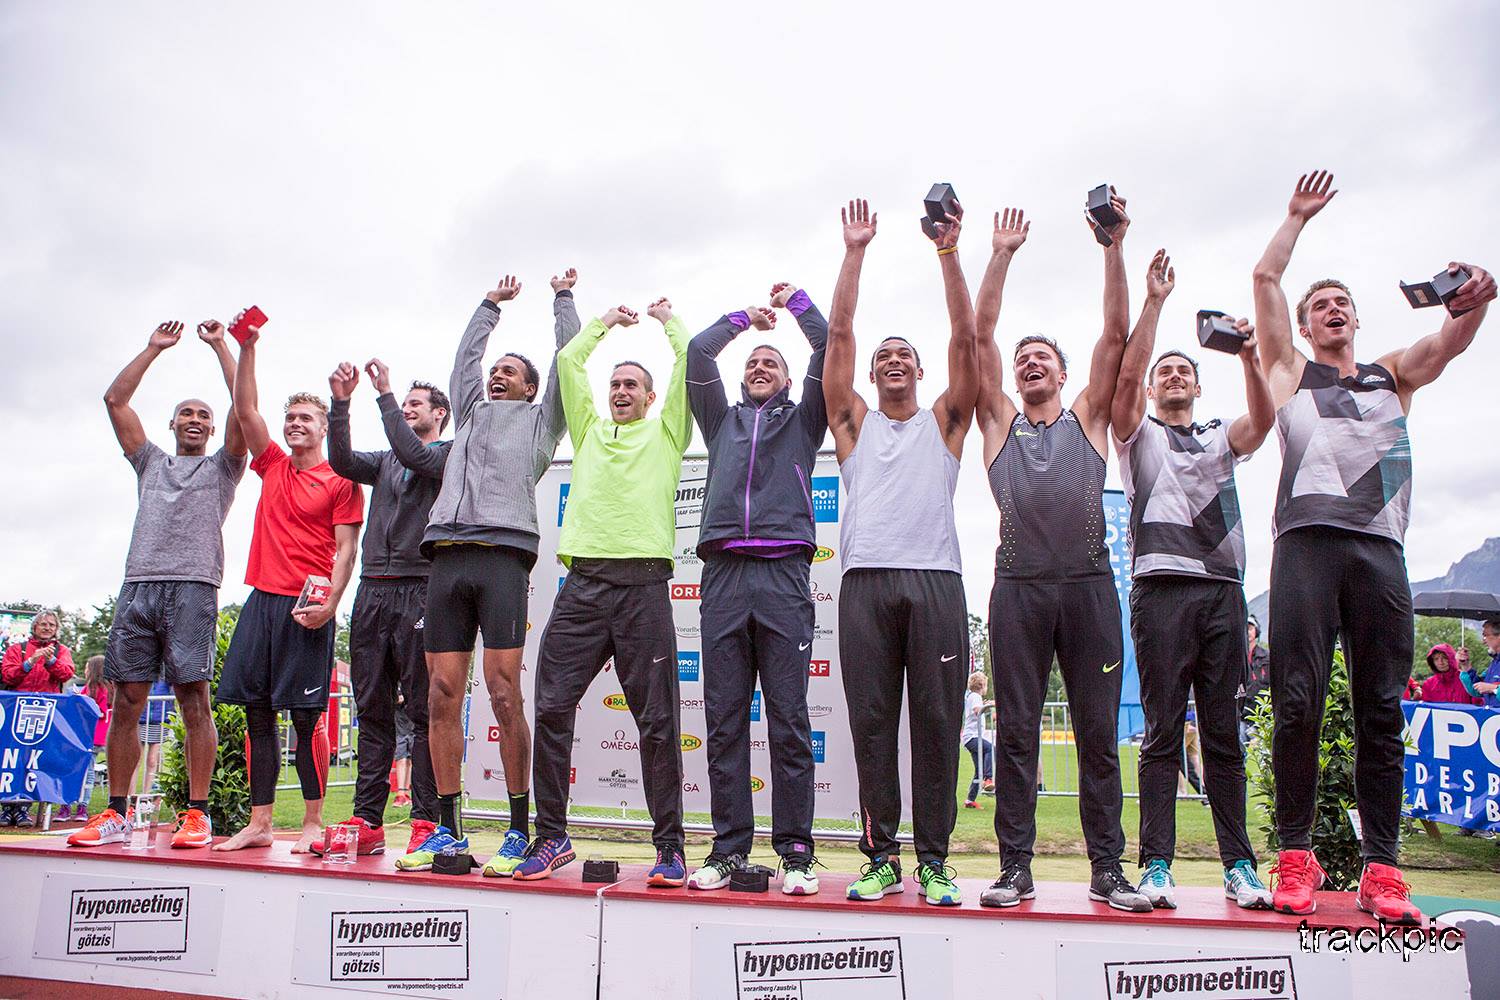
[947,232]
[781,293]
[660,310]
[1479,289]
[859,224]
[1011,230]
[1161,277]
[509,288]
[568,279]
[1311,195]
[211,332]
[761,318]
[380,375]
[343,380]
[166,334]
[1116,232]
[621,316]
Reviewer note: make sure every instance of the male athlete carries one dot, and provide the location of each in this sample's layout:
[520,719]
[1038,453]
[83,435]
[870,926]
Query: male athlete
[482,537]
[1187,601]
[167,615]
[1054,591]
[617,539]
[1337,566]
[385,632]
[902,615]
[306,524]
[756,542]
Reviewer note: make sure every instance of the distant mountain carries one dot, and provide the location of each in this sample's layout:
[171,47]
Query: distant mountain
[1479,570]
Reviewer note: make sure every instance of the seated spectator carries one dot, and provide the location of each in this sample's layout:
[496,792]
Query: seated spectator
[1488,684]
[40,665]
[1446,683]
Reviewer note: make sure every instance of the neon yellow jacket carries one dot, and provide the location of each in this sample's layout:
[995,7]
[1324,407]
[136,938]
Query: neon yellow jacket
[622,499]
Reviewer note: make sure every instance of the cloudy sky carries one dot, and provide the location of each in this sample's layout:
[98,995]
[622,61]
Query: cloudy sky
[364,172]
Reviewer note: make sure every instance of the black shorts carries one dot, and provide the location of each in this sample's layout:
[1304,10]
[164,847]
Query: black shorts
[165,628]
[273,661]
[476,588]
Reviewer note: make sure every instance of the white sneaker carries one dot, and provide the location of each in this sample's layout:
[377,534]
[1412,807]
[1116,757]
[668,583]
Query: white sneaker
[716,871]
[797,878]
[1242,885]
[1157,885]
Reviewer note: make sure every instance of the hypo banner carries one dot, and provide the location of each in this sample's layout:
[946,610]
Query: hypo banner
[46,745]
[1116,531]
[606,753]
[1453,764]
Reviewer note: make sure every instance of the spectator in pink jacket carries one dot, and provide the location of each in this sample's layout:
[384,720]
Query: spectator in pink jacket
[1445,685]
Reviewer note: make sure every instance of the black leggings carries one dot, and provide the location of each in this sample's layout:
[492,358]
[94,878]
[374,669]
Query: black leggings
[265,753]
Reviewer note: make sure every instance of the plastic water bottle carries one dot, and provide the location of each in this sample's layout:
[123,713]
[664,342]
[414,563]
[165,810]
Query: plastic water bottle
[143,831]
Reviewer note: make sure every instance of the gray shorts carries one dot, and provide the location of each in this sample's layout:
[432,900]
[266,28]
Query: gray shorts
[163,628]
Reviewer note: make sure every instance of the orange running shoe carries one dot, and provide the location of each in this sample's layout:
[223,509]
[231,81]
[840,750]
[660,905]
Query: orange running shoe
[1297,875]
[108,827]
[194,829]
[1385,895]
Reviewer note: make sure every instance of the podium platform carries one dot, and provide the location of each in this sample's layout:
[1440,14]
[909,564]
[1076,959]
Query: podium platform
[266,923]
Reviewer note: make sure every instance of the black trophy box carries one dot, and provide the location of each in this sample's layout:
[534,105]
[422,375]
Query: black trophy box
[1102,213]
[1216,333]
[600,870]
[940,203]
[1439,291]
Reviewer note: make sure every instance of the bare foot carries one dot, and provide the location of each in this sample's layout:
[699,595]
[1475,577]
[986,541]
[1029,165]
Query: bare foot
[250,836]
[312,833]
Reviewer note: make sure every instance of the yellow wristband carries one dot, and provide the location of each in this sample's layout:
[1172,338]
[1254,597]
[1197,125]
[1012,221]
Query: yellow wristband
[947,251]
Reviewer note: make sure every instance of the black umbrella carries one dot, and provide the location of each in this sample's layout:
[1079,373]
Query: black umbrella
[1473,605]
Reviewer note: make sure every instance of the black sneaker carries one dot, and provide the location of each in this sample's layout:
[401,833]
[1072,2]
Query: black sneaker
[1110,886]
[1013,885]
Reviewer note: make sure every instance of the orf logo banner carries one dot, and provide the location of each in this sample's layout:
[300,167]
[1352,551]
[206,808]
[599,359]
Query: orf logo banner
[46,745]
[1453,764]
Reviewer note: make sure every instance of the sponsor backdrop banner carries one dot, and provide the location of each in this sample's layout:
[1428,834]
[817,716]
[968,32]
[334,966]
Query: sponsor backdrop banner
[1453,764]
[606,758]
[391,946]
[1116,527]
[154,925]
[46,745]
[733,962]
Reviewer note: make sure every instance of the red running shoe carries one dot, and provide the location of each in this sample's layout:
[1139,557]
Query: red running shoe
[371,838]
[421,829]
[193,829]
[1385,895]
[1296,875]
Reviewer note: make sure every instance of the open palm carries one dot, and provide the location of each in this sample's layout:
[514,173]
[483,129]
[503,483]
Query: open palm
[859,223]
[1311,195]
[1011,228]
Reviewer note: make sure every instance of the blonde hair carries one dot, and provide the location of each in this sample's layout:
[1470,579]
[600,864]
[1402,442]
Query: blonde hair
[311,399]
[1316,287]
[977,681]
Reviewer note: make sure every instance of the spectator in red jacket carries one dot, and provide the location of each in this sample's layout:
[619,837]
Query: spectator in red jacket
[1445,685]
[41,663]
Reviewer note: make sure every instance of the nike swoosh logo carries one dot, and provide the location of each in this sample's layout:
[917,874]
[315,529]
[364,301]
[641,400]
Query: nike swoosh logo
[312,690]
[1111,666]
[950,656]
[658,659]
[802,645]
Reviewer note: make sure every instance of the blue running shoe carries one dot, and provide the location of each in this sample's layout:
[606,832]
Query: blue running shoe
[543,857]
[670,870]
[1157,884]
[420,860]
[508,858]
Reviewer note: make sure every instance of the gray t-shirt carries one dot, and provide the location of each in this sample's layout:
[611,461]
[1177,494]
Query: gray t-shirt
[179,525]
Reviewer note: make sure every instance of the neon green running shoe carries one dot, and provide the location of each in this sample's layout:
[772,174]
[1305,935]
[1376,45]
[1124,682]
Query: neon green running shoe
[937,882]
[880,877]
[512,852]
[420,860]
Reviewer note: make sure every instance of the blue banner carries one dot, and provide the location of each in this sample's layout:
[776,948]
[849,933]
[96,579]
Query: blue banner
[46,746]
[1453,764]
[1116,523]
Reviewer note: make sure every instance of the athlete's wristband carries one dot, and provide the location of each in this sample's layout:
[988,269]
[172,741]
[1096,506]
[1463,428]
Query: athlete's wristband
[947,250]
